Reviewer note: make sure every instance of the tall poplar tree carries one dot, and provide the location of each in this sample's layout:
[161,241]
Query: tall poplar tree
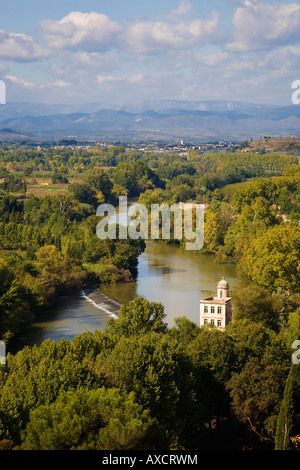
[285,417]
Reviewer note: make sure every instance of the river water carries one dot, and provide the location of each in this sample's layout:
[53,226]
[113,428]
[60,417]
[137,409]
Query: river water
[166,273]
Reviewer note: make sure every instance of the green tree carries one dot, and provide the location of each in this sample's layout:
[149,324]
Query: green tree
[272,259]
[285,417]
[184,330]
[213,233]
[214,358]
[100,182]
[255,303]
[84,193]
[102,419]
[156,368]
[137,317]
[256,393]
[36,376]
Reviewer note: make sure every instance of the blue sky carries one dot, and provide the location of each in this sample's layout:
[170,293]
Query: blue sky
[74,51]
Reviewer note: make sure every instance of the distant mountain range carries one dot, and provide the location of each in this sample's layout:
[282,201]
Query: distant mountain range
[158,120]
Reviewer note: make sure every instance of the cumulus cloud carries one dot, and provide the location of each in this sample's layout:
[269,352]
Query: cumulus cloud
[177,56]
[259,25]
[94,32]
[20,47]
[147,36]
[87,31]
[283,62]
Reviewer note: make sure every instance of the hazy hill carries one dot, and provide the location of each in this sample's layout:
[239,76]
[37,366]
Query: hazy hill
[280,145]
[152,120]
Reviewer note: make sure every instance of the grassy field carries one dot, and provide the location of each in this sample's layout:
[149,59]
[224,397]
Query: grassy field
[42,187]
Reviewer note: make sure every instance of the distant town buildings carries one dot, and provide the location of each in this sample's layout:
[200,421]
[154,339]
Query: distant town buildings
[158,147]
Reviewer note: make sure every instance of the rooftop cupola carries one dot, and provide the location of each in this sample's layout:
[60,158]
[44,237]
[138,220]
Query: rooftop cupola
[223,289]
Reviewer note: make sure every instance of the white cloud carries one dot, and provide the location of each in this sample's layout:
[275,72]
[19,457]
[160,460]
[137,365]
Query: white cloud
[259,25]
[20,47]
[148,36]
[283,62]
[214,58]
[32,85]
[182,10]
[180,56]
[132,79]
[20,82]
[137,78]
[108,79]
[88,31]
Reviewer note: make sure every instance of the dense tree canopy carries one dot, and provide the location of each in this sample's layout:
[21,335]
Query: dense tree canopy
[140,384]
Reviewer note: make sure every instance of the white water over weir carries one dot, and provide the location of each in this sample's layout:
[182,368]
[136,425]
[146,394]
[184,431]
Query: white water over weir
[101,301]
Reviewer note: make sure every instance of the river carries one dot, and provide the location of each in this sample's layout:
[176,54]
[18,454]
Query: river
[168,274]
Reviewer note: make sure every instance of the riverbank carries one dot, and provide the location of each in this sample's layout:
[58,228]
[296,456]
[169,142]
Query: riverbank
[166,273]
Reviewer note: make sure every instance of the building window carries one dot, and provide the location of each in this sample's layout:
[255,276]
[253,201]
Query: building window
[212,309]
[219,323]
[219,310]
[221,294]
[212,321]
[205,321]
[205,309]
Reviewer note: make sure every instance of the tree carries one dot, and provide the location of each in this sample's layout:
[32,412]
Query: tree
[49,259]
[184,193]
[256,393]
[272,258]
[157,369]
[136,178]
[213,233]
[16,302]
[84,193]
[36,376]
[101,183]
[256,304]
[285,417]
[184,330]
[213,354]
[137,317]
[102,419]
[125,177]
[57,178]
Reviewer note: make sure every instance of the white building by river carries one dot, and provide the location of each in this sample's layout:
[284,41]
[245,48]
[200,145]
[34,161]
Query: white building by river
[217,310]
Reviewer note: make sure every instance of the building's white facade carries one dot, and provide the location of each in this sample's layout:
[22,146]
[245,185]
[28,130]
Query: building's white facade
[217,310]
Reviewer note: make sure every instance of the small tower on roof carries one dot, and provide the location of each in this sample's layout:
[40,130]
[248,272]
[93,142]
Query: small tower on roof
[222,289]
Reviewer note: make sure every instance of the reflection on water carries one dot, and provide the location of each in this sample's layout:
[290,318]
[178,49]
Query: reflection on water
[168,274]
